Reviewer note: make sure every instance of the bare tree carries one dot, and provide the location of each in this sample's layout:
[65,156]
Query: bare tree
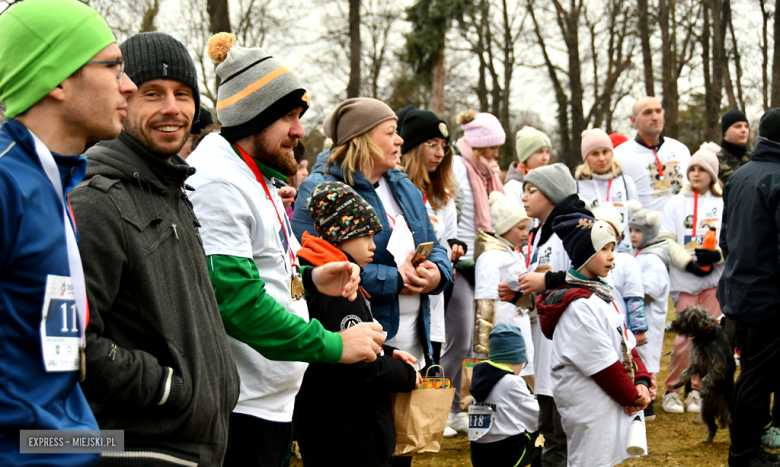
[764,46]
[643,29]
[353,88]
[775,100]
[219,16]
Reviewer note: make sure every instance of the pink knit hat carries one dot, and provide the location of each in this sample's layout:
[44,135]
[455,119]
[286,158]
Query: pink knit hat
[484,131]
[594,139]
[706,158]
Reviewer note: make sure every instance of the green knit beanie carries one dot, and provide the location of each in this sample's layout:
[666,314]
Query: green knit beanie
[43,43]
[528,141]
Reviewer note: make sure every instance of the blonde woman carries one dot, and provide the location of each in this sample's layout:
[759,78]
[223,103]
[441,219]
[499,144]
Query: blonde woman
[427,161]
[600,179]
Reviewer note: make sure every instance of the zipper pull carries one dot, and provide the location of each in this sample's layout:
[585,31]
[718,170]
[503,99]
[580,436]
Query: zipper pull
[174,231]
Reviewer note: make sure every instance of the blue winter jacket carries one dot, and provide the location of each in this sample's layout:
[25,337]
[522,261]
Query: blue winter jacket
[32,246]
[381,278]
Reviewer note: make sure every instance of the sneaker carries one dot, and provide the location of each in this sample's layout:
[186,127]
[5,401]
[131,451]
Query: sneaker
[771,437]
[672,403]
[693,402]
[449,432]
[650,413]
[459,423]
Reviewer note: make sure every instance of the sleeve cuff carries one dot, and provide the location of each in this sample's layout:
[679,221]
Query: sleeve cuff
[308,283]
[169,387]
[334,346]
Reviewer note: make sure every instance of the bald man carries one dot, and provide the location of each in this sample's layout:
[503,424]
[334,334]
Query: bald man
[657,164]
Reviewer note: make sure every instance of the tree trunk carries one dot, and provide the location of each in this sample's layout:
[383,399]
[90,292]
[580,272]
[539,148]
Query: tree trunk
[353,88]
[219,16]
[437,99]
[737,64]
[764,56]
[776,62]
[150,13]
[571,37]
[508,150]
[647,53]
[720,29]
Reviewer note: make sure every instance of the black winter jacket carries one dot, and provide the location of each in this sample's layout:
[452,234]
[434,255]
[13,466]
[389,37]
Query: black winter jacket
[158,362]
[343,413]
[749,289]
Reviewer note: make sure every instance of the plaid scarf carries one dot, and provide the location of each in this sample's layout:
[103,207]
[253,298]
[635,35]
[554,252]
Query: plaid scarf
[598,287]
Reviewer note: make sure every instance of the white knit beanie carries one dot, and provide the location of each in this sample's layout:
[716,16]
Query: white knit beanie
[505,212]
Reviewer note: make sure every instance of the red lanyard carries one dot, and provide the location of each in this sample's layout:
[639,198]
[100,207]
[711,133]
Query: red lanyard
[259,176]
[695,212]
[638,251]
[530,248]
[425,197]
[657,161]
[625,333]
[609,188]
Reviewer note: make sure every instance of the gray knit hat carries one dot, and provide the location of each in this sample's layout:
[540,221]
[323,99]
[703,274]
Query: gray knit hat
[255,89]
[356,116]
[154,55]
[645,220]
[555,181]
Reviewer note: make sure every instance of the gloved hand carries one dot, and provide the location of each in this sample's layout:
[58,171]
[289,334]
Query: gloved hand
[707,257]
[694,269]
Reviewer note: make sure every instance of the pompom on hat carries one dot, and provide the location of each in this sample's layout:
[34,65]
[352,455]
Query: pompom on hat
[507,345]
[608,212]
[505,212]
[340,214]
[594,139]
[582,237]
[706,158]
[255,88]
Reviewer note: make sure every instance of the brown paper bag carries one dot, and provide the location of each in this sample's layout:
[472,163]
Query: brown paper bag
[420,418]
[465,382]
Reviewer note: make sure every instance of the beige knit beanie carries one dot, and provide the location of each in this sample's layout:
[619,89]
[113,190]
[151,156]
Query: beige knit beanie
[356,116]
[505,212]
[706,158]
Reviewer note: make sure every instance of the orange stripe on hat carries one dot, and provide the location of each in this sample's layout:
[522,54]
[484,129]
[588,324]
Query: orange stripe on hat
[252,87]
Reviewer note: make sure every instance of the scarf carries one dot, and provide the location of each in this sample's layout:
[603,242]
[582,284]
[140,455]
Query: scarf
[318,251]
[479,173]
[601,289]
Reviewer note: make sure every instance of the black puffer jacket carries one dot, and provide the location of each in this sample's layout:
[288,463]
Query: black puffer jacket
[158,362]
[749,290]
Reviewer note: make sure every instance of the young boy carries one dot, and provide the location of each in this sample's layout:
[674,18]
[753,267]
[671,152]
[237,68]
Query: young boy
[355,398]
[652,254]
[549,192]
[599,380]
[496,251]
[510,441]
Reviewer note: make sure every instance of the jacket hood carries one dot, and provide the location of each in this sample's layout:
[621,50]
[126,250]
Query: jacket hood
[487,241]
[660,248]
[552,304]
[124,158]
[514,173]
[485,377]
[766,150]
[572,204]
[318,251]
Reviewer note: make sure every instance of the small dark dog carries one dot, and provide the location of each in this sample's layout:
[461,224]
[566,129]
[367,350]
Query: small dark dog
[713,360]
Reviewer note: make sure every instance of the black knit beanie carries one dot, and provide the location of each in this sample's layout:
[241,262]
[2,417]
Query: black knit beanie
[205,120]
[401,114]
[731,117]
[153,55]
[340,214]
[769,125]
[419,126]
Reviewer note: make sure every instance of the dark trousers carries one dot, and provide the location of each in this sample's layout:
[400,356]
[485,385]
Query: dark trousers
[555,452]
[760,363]
[254,442]
[515,451]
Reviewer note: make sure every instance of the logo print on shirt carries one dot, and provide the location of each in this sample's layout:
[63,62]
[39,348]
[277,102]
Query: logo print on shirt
[349,321]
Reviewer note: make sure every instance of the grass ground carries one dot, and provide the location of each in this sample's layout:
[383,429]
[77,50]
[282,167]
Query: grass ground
[673,440]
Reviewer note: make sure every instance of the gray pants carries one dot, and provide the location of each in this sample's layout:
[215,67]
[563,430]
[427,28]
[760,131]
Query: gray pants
[555,452]
[459,331]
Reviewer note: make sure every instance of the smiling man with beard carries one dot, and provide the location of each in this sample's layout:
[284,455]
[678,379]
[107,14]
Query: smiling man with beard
[251,251]
[158,361]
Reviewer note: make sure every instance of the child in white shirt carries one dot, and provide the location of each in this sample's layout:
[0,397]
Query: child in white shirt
[510,440]
[495,252]
[599,380]
[652,254]
[688,216]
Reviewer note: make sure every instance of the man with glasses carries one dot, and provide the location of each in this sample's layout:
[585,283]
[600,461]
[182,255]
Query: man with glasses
[59,64]
[158,362]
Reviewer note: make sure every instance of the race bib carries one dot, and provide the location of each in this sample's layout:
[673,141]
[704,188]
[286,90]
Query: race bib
[480,421]
[59,326]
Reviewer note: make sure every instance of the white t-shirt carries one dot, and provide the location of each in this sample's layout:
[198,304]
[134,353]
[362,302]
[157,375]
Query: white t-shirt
[639,163]
[487,277]
[408,337]
[239,220]
[515,409]
[678,221]
[445,227]
[625,277]
[618,191]
[514,190]
[655,282]
[467,228]
[552,254]
[588,339]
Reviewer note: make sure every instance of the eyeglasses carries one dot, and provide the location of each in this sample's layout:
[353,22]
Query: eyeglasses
[111,62]
[436,146]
